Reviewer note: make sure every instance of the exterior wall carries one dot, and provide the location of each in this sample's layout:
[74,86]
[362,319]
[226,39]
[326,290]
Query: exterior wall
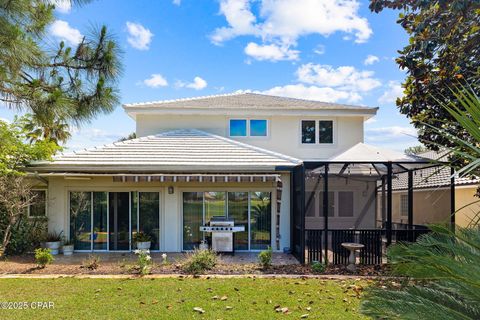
[465,198]
[170,204]
[284,132]
[364,205]
[429,206]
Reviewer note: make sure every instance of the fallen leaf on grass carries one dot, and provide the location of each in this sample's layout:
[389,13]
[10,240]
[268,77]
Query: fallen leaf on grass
[304,316]
[198,309]
[228,308]
[224,298]
[215,298]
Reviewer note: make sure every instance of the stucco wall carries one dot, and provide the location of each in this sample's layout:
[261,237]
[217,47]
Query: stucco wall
[284,132]
[170,204]
[465,198]
[429,206]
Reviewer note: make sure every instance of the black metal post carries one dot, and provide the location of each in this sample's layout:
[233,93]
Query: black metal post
[325,211]
[389,203]
[302,214]
[410,205]
[384,203]
[452,198]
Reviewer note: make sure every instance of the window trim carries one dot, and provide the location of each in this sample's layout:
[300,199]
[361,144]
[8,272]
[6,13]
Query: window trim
[46,206]
[317,132]
[248,135]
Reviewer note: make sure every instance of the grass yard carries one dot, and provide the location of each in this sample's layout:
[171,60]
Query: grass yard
[174,298]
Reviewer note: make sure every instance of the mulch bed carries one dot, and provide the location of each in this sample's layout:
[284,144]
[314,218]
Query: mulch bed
[25,264]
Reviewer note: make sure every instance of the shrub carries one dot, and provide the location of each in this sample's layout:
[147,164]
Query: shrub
[91,263]
[318,267]
[43,257]
[53,237]
[26,235]
[141,237]
[144,261]
[265,258]
[200,261]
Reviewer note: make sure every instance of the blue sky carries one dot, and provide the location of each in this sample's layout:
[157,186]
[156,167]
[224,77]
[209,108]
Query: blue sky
[329,50]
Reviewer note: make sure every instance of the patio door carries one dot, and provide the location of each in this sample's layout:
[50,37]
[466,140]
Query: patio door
[249,209]
[119,221]
[89,220]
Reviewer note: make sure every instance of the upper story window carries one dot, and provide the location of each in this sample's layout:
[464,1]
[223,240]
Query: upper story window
[39,206]
[238,128]
[309,132]
[248,128]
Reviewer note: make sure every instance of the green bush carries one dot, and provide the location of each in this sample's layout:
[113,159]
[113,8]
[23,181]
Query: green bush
[141,237]
[26,234]
[318,267]
[265,258]
[199,261]
[43,257]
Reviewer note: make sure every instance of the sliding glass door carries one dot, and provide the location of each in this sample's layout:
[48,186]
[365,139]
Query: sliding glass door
[250,209]
[101,221]
[238,211]
[260,220]
[192,219]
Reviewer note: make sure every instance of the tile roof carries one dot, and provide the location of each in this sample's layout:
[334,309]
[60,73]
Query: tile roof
[245,100]
[432,177]
[186,150]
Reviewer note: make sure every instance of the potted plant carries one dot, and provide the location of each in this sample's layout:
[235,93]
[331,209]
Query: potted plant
[68,247]
[53,241]
[142,240]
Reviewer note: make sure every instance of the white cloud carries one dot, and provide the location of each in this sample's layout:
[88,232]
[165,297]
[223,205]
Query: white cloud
[371,59]
[177,2]
[91,137]
[197,84]
[387,133]
[394,90]
[324,94]
[63,6]
[320,49]
[5,120]
[270,52]
[284,21]
[62,30]
[343,77]
[139,36]
[156,81]
[371,120]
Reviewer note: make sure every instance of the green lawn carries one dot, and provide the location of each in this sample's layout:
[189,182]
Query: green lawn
[172,298]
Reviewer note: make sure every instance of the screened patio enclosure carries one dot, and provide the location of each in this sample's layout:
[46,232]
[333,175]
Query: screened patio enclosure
[356,197]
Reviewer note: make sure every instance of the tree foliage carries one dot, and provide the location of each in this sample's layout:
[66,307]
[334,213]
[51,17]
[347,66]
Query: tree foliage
[443,52]
[446,268]
[66,83]
[16,152]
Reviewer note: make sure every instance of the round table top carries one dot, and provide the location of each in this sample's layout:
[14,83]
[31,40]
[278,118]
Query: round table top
[352,245]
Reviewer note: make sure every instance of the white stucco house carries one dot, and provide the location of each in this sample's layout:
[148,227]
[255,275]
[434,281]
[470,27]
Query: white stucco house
[257,159]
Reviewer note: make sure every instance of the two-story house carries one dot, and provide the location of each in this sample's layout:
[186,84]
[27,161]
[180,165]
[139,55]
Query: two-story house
[230,155]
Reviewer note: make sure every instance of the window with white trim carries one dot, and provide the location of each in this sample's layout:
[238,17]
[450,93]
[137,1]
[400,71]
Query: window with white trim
[39,206]
[310,133]
[248,128]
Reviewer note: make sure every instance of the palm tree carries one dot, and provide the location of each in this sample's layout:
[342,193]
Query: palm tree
[443,266]
[45,126]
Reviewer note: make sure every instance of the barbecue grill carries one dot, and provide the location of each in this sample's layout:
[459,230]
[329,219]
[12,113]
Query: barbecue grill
[222,230]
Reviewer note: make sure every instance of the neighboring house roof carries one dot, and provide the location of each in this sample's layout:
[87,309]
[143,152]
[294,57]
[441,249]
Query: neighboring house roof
[186,150]
[233,103]
[432,177]
[362,152]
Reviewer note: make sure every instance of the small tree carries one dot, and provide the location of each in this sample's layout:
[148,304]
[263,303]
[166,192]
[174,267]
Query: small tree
[15,190]
[15,198]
